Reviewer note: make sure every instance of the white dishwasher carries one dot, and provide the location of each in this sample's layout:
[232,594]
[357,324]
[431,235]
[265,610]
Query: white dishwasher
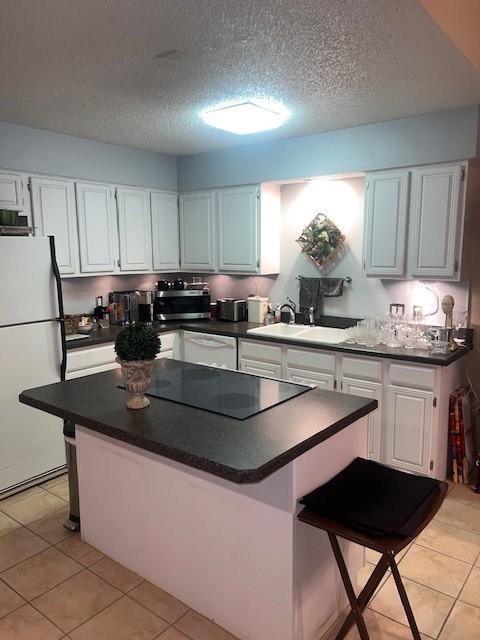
[210,349]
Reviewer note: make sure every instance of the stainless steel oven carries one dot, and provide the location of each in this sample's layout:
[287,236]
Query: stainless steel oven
[185,304]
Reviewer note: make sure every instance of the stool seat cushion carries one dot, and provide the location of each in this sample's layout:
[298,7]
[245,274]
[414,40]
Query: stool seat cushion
[374,499]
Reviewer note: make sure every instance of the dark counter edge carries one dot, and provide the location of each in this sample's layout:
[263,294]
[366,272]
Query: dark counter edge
[243,476]
[239,330]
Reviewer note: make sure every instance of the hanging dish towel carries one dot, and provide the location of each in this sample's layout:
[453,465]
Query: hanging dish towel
[313,289]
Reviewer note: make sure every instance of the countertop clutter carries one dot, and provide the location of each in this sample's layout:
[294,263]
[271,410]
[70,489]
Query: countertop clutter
[242,451]
[240,330]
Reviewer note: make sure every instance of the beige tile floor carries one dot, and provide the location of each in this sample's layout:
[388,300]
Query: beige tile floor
[53,586]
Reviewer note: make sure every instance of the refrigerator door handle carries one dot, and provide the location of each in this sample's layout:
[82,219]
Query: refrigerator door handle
[61,315]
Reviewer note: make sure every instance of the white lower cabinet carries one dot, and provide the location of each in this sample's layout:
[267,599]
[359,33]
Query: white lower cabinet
[408,428]
[408,431]
[373,390]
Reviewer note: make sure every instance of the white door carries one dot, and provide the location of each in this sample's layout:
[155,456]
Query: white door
[319,378]
[97,227]
[408,421]
[386,205]
[11,191]
[197,231]
[238,229]
[135,229]
[373,390]
[53,204]
[257,368]
[435,221]
[32,442]
[165,231]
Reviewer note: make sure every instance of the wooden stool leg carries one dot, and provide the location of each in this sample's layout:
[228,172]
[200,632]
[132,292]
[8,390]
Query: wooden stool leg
[365,595]
[404,598]
[356,610]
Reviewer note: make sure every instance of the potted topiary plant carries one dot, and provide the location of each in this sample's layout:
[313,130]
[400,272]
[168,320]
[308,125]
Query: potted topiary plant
[136,347]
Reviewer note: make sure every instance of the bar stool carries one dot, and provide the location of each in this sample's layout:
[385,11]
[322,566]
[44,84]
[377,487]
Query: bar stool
[388,544]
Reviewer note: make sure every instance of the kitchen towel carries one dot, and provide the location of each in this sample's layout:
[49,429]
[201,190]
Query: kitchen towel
[313,289]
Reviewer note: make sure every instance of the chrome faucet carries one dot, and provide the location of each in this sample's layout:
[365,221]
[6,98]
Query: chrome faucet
[311,316]
[291,308]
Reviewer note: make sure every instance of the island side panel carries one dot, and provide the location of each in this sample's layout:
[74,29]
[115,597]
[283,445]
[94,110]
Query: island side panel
[221,548]
[319,593]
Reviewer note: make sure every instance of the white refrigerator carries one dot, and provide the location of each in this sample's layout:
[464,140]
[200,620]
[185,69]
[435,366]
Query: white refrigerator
[32,354]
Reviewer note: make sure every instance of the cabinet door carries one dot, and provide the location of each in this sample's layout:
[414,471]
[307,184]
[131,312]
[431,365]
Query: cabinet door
[257,368]
[96,227]
[373,390]
[386,202]
[197,231]
[11,191]
[238,229]
[135,230]
[53,203]
[408,420]
[318,378]
[165,231]
[435,221]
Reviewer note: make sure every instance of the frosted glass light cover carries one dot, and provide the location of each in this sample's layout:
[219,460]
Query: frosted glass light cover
[246,117]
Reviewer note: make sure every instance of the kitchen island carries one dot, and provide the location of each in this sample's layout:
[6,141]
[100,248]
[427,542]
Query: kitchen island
[204,505]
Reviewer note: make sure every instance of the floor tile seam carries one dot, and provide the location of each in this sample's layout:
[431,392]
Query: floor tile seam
[181,630]
[24,497]
[436,519]
[466,502]
[463,586]
[25,559]
[384,615]
[50,515]
[448,595]
[447,617]
[56,495]
[51,588]
[446,554]
[120,595]
[71,557]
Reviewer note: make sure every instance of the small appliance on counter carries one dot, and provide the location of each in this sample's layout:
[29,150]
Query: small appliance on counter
[144,306]
[122,304]
[181,304]
[231,310]
[257,309]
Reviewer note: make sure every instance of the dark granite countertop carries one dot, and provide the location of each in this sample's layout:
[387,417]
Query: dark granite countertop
[242,451]
[240,330]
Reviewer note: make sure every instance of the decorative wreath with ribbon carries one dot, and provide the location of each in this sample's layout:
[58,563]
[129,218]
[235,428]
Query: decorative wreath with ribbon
[321,240]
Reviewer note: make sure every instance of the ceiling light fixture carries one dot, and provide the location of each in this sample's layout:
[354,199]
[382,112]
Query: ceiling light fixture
[248,116]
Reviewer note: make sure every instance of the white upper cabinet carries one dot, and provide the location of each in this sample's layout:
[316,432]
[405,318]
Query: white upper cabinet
[198,231]
[96,227]
[53,204]
[238,225]
[11,191]
[436,221]
[238,238]
[165,231]
[135,230]
[386,207]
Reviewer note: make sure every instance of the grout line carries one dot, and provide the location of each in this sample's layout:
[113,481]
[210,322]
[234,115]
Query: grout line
[419,544]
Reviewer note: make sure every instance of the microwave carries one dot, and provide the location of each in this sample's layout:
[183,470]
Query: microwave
[185,304]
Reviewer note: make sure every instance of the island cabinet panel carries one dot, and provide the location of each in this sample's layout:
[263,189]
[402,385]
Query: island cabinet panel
[53,204]
[260,358]
[374,390]
[97,227]
[135,230]
[90,360]
[213,543]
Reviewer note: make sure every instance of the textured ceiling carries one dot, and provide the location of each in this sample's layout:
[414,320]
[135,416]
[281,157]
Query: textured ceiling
[89,68]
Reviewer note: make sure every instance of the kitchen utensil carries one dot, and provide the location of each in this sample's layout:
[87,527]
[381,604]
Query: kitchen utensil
[164,285]
[178,284]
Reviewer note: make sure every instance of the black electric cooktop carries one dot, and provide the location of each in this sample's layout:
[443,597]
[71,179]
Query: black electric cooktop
[229,393]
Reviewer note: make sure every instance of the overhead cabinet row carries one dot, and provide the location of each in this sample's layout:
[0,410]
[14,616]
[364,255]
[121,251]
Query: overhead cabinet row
[101,228]
[415,222]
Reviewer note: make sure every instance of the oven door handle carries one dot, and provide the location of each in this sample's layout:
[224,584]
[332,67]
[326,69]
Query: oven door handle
[208,342]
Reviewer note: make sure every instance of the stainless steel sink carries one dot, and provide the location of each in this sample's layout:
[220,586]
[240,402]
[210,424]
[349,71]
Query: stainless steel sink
[302,333]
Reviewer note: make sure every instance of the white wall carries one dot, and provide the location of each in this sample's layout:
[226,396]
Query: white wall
[35,150]
[424,139]
[343,201]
